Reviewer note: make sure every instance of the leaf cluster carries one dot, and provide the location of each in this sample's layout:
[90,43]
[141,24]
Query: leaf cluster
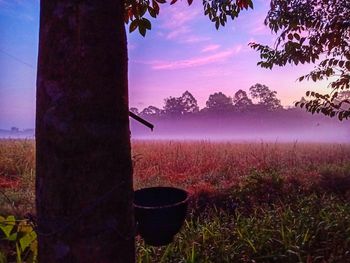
[217,10]
[136,10]
[18,241]
[312,31]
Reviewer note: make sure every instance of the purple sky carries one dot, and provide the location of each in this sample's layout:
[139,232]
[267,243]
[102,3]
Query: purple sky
[183,51]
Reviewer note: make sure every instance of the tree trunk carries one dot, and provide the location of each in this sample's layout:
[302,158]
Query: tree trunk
[84,174]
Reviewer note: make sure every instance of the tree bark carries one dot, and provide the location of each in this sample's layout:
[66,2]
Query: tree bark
[84,192]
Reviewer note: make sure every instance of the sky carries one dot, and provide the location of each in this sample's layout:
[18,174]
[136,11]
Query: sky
[183,51]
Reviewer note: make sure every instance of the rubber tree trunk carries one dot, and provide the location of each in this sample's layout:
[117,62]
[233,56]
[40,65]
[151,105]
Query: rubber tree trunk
[84,174]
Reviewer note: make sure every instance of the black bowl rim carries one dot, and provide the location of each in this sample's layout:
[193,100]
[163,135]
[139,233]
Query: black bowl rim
[163,206]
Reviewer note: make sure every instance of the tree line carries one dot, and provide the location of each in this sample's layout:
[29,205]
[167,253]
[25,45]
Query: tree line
[266,100]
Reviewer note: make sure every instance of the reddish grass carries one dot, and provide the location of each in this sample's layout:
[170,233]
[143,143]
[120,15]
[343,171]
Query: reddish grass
[8,182]
[210,166]
[203,166]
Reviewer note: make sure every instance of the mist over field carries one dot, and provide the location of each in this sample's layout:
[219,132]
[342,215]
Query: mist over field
[274,127]
[285,126]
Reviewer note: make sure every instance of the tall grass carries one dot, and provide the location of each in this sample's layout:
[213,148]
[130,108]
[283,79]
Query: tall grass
[313,229]
[251,202]
[17,174]
[216,166]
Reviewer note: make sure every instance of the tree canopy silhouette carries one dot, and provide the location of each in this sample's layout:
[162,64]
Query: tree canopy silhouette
[241,100]
[184,104]
[219,102]
[313,31]
[265,96]
[151,111]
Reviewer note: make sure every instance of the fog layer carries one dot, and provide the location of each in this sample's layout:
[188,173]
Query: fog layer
[302,127]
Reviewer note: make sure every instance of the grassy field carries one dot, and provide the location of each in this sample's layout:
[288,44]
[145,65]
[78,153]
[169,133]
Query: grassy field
[293,198]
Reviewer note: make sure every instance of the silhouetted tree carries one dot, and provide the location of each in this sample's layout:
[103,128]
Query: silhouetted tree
[313,31]
[14,129]
[241,101]
[135,110]
[181,105]
[151,111]
[189,103]
[173,106]
[265,96]
[219,102]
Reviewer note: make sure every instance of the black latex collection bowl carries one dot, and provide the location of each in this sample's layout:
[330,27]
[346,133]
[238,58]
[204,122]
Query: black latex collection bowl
[160,212]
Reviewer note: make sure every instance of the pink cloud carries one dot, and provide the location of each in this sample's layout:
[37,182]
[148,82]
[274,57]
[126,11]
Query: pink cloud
[193,39]
[196,61]
[211,47]
[177,16]
[175,33]
[177,23]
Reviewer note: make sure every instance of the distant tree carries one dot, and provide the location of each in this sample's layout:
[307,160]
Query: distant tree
[241,101]
[181,105]
[312,31]
[219,102]
[14,129]
[189,103]
[151,111]
[265,96]
[173,106]
[135,110]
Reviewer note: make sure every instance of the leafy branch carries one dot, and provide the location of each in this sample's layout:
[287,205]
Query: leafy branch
[318,32]
[218,12]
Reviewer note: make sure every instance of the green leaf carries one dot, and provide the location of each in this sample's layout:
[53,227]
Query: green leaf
[12,237]
[146,23]
[142,30]
[27,240]
[222,22]
[134,24]
[217,24]
[7,225]
[143,10]
[250,4]
[155,7]
[18,254]
[152,12]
